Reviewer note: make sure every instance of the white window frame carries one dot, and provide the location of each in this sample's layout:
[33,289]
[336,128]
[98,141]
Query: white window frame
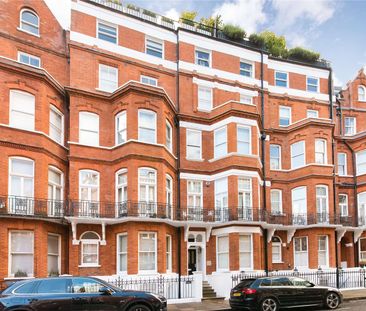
[158,41]
[10,254]
[152,128]
[155,251]
[193,146]
[149,80]
[199,99]
[275,78]
[169,138]
[303,201]
[21,176]
[100,84]
[121,185]
[53,254]
[222,253]
[249,142]
[345,163]
[216,155]
[241,252]
[320,197]
[307,251]
[279,157]
[96,116]
[120,114]
[323,153]
[245,99]
[247,210]
[119,253]
[30,56]
[361,253]
[300,154]
[248,63]
[32,116]
[279,245]
[108,24]
[282,108]
[21,22]
[363,164]
[353,128]
[81,185]
[280,211]
[360,99]
[196,59]
[53,200]
[55,110]
[310,84]
[312,111]
[343,207]
[195,195]
[169,191]
[169,253]
[326,250]
[147,185]
[89,242]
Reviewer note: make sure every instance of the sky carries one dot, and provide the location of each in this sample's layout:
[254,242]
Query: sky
[334,28]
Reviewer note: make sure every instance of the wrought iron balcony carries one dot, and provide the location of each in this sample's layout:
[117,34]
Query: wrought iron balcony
[25,206]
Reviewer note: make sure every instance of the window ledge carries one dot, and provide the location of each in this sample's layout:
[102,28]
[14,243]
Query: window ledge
[195,160]
[19,278]
[102,90]
[89,266]
[204,110]
[277,262]
[28,32]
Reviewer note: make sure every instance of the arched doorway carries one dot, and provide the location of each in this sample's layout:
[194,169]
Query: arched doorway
[196,257]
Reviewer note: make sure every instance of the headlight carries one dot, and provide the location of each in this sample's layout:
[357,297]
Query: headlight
[159,297]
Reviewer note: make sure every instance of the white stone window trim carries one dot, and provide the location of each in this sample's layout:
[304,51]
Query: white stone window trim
[151,126]
[324,153]
[345,163]
[251,251]
[11,276]
[279,191]
[118,115]
[95,131]
[279,157]
[203,50]
[158,41]
[89,242]
[282,108]
[248,62]
[310,84]
[303,153]
[287,78]
[155,251]
[14,174]
[54,109]
[249,128]
[216,155]
[20,53]
[119,252]
[343,206]
[21,21]
[220,253]
[103,22]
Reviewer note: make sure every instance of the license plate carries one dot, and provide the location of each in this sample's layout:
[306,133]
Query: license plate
[236,294]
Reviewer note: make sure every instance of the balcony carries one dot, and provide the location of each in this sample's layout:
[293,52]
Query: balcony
[25,206]
[308,219]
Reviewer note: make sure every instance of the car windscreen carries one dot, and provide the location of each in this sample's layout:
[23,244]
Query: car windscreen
[245,283]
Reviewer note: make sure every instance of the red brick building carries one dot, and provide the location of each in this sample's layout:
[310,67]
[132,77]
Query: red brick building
[133,144]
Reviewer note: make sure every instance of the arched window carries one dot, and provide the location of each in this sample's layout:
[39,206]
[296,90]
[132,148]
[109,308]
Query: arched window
[29,22]
[276,250]
[89,249]
[361,93]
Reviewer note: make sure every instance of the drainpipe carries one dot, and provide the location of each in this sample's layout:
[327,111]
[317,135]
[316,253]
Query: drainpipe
[263,145]
[178,211]
[354,195]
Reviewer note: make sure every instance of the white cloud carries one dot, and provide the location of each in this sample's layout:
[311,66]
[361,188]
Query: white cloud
[248,14]
[172,13]
[289,12]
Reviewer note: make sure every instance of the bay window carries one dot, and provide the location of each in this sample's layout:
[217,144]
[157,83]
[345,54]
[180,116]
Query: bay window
[22,110]
[245,252]
[320,151]
[122,253]
[88,193]
[243,139]
[245,210]
[169,195]
[55,192]
[121,193]
[361,162]
[121,128]
[147,126]
[147,191]
[298,154]
[322,204]
[21,254]
[301,259]
[147,252]
[276,202]
[285,116]
[56,125]
[299,205]
[222,254]
[220,142]
[108,78]
[275,157]
[168,136]
[88,128]
[194,199]
[204,98]
[221,200]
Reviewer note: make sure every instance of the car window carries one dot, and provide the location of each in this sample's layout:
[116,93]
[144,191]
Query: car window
[301,282]
[58,286]
[245,283]
[266,283]
[281,282]
[26,288]
[86,285]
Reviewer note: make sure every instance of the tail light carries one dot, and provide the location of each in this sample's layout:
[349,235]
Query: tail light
[248,291]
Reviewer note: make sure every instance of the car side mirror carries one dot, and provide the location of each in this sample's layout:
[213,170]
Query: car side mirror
[104,291]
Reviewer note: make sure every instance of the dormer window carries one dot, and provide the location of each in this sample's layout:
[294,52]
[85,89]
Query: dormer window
[29,22]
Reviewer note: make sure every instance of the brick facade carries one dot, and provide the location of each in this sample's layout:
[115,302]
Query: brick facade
[224,192]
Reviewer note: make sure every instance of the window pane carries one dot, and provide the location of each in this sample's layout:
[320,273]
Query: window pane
[58,286]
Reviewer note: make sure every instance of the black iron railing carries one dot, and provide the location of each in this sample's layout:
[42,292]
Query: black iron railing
[340,278]
[165,286]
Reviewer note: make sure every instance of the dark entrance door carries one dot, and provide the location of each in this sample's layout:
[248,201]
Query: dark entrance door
[192,260]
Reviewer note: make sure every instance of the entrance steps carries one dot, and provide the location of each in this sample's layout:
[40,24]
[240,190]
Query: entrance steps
[208,292]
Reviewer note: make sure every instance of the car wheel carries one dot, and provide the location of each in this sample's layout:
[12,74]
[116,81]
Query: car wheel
[269,304]
[139,308]
[332,301]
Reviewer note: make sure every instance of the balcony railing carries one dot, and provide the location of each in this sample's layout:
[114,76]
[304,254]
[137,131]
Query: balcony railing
[30,207]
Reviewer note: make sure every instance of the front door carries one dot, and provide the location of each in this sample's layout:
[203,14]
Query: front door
[192,260]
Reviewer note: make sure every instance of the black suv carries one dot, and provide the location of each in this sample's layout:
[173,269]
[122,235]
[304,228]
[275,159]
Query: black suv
[273,293]
[76,293]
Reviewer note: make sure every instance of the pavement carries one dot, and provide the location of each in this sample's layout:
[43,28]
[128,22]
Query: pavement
[353,300]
